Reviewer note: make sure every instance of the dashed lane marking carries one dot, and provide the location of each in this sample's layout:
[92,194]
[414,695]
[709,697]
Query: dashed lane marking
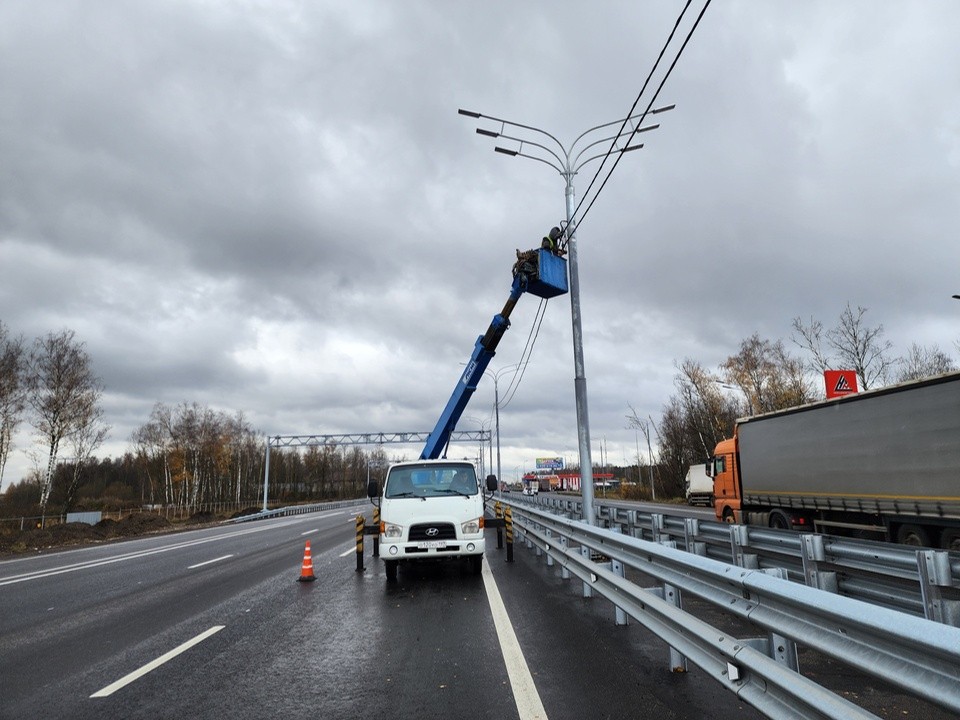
[150,666]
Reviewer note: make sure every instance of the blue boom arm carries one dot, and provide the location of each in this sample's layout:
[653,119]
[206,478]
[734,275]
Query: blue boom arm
[539,272]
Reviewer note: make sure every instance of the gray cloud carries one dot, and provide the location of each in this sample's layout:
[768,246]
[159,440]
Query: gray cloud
[277,209]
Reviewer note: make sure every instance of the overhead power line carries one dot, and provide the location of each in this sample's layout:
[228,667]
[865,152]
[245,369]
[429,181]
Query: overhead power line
[613,145]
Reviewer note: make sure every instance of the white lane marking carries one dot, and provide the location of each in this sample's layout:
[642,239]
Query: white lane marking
[525,695]
[38,574]
[208,562]
[309,532]
[351,551]
[153,665]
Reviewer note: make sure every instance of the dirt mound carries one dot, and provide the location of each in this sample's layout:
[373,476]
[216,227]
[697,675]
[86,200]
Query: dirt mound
[201,518]
[140,524]
[73,534]
[53,536]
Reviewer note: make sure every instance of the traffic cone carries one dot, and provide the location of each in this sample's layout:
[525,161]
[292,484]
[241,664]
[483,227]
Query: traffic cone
[306,570]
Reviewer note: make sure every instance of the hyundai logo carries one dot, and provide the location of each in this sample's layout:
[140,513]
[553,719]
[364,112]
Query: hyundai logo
[432,532]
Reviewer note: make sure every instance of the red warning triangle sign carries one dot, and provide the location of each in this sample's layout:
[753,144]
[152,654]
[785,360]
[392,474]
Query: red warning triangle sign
[840,382]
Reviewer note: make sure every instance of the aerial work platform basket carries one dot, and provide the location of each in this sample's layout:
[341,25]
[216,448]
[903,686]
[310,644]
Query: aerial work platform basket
[545,272]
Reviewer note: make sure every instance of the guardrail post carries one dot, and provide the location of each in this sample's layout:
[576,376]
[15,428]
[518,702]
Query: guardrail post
[812,553]
[656,526]
[603,517]
[508,516]
[549,535]
[781,648]
[618,569]
[376,537]
[564,572]
[671,594]
[587,589]
[934,567]
[361,520]
[691,528]
[739,543]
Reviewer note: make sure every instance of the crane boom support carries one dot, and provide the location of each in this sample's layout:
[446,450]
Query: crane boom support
[540,272]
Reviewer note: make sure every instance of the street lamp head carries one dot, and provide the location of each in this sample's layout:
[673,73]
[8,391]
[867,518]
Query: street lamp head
[488,133]
[956,297]
[505,151]
[648,128]
[468,113]
[662,109]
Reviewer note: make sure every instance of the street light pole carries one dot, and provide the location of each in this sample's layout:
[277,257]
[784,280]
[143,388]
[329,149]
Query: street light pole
[568,161]
[496,410]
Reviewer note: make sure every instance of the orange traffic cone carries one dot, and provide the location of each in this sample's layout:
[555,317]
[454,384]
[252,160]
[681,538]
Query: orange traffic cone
[306,570]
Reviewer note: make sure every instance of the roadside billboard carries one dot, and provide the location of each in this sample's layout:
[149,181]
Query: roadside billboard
[554,463]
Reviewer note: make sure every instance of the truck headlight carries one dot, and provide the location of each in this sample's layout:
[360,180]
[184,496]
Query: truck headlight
[472,527]
[389,530]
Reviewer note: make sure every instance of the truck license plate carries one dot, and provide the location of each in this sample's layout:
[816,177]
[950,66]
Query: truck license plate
[436,544]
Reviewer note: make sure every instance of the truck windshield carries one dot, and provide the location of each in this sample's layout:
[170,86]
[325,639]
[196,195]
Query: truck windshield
[431,480]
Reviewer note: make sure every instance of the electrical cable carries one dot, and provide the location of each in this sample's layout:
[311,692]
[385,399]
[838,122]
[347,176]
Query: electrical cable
[527,352]
[647,110]
[538,320]
[633,107]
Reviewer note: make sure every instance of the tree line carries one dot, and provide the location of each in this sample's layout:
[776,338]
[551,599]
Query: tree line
[186,456]
[763,376]
[190,456]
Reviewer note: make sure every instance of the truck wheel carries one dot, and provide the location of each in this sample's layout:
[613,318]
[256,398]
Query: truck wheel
[476,564]
[728,516]
[913,535]
[390,567]
[779,521]
[950,540]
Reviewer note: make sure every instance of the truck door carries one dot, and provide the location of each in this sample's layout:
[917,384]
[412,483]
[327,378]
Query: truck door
[725,491]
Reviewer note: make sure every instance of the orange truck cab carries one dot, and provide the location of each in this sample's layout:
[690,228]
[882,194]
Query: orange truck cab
[724,469]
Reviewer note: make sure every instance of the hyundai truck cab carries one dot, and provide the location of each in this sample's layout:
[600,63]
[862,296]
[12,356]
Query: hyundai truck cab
[429,510]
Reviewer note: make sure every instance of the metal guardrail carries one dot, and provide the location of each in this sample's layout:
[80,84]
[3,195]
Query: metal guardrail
[913,653]
[298,510]
[917,581]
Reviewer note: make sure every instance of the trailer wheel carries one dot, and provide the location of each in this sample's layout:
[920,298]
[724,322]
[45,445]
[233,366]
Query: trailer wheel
[913,535]
[728,516]
[950,540]
[779,521]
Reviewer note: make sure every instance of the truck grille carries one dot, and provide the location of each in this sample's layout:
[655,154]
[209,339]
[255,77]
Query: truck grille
[445,531]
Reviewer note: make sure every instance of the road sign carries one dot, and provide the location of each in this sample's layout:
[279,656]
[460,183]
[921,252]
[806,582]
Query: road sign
[840,382]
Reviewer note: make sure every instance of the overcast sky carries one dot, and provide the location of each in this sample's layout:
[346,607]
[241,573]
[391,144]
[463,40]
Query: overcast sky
[274,207]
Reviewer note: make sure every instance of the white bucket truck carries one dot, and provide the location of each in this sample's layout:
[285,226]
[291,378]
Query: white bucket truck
[429,510]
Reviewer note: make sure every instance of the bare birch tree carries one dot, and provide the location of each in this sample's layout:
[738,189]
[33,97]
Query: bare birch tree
[13,391]
[921,362]
[850,345]
[63,395]
[88,435]
[769,378]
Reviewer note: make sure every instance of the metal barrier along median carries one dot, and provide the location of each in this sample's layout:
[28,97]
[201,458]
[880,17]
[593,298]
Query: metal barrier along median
[298,510]
[913,653]
[918,581]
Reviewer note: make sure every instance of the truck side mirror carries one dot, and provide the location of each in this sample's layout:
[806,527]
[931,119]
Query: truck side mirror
[373,489]
[491,483]
[708,468]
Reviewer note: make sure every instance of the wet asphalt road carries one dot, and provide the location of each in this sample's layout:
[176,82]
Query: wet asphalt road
[77,624]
